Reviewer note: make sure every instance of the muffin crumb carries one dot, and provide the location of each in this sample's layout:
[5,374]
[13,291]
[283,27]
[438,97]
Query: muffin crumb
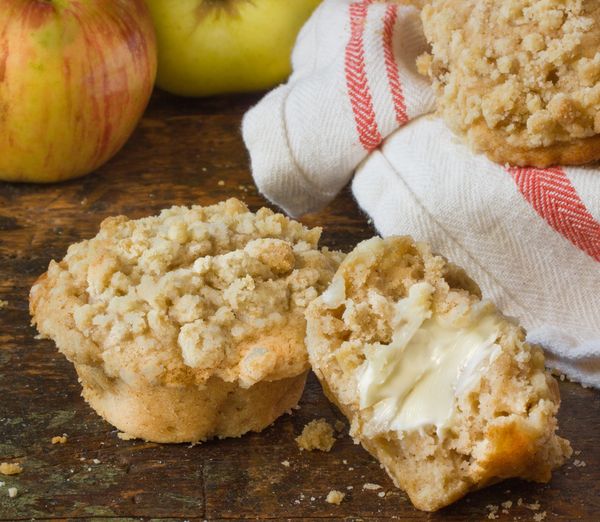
[335,497]
[317,434]
[125,436]
[10,468]
[370,486]
[12,492]
[60,439]
[339,426]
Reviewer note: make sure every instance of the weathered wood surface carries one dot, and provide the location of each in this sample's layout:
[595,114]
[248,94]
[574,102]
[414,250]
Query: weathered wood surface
[178,155]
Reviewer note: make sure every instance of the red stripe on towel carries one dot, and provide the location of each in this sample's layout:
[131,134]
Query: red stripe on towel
[393,75]
[356,78]
[553,196]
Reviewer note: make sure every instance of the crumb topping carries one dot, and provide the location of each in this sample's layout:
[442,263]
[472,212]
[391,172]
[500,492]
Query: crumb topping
[316,435]
[187,294]
[529,69]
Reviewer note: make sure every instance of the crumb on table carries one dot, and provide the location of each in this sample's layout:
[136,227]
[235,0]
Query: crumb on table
[339,426]
[10,468]
[3,304]
[125,436]
[60,439]
[317,434]
[335,497]
[371,486]
[12,492]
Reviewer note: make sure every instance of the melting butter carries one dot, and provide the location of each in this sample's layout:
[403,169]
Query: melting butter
[412,381]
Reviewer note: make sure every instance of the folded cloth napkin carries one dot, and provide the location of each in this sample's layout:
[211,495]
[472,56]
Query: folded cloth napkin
[355,104]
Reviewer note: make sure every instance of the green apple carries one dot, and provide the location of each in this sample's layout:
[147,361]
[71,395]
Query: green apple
[209,47]
[75,77]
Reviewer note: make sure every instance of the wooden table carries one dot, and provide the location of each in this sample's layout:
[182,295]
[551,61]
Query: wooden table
[181,153]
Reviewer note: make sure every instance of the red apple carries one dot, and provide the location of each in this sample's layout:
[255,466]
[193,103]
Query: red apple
[75,78]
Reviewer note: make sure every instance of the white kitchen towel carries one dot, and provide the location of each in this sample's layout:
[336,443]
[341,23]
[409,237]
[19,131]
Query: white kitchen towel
[355,104]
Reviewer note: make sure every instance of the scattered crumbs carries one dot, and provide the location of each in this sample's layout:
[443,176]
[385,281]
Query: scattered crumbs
[317,434]
[221,183]
[349,488]
[339,426]
[493,511]
[579,463]
[345,462]
[577,452]
[10,468]
[533,506]
[507,505]
[83,201]
[335,497]
[3,304]
[96,461]
[350,468]
[204,169]
[12,492]
[89,469]
[371,486]
[381,494]
[538,517]
[285,463]
[2,484]
[60,439]
[82,458]
[125,436]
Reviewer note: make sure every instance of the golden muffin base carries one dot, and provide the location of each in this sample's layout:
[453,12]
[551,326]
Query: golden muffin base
[188,413]
[495,147]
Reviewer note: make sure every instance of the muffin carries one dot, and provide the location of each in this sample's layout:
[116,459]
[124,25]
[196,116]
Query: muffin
[519,79]
[190,324]
[437,384]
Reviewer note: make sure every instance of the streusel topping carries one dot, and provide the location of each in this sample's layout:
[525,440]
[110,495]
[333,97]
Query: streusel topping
[528,69]
[188,294]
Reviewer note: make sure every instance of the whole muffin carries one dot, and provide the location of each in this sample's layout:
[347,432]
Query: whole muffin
[437,384]
[520,79]
[190,324]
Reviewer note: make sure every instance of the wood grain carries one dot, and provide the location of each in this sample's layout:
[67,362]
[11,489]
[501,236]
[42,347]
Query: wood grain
[178,155]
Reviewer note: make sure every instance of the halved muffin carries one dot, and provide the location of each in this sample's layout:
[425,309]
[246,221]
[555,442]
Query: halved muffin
[437,384]
[190,324]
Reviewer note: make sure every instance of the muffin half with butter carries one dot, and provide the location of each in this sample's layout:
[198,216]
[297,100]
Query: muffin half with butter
[190,324]
[437,384]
